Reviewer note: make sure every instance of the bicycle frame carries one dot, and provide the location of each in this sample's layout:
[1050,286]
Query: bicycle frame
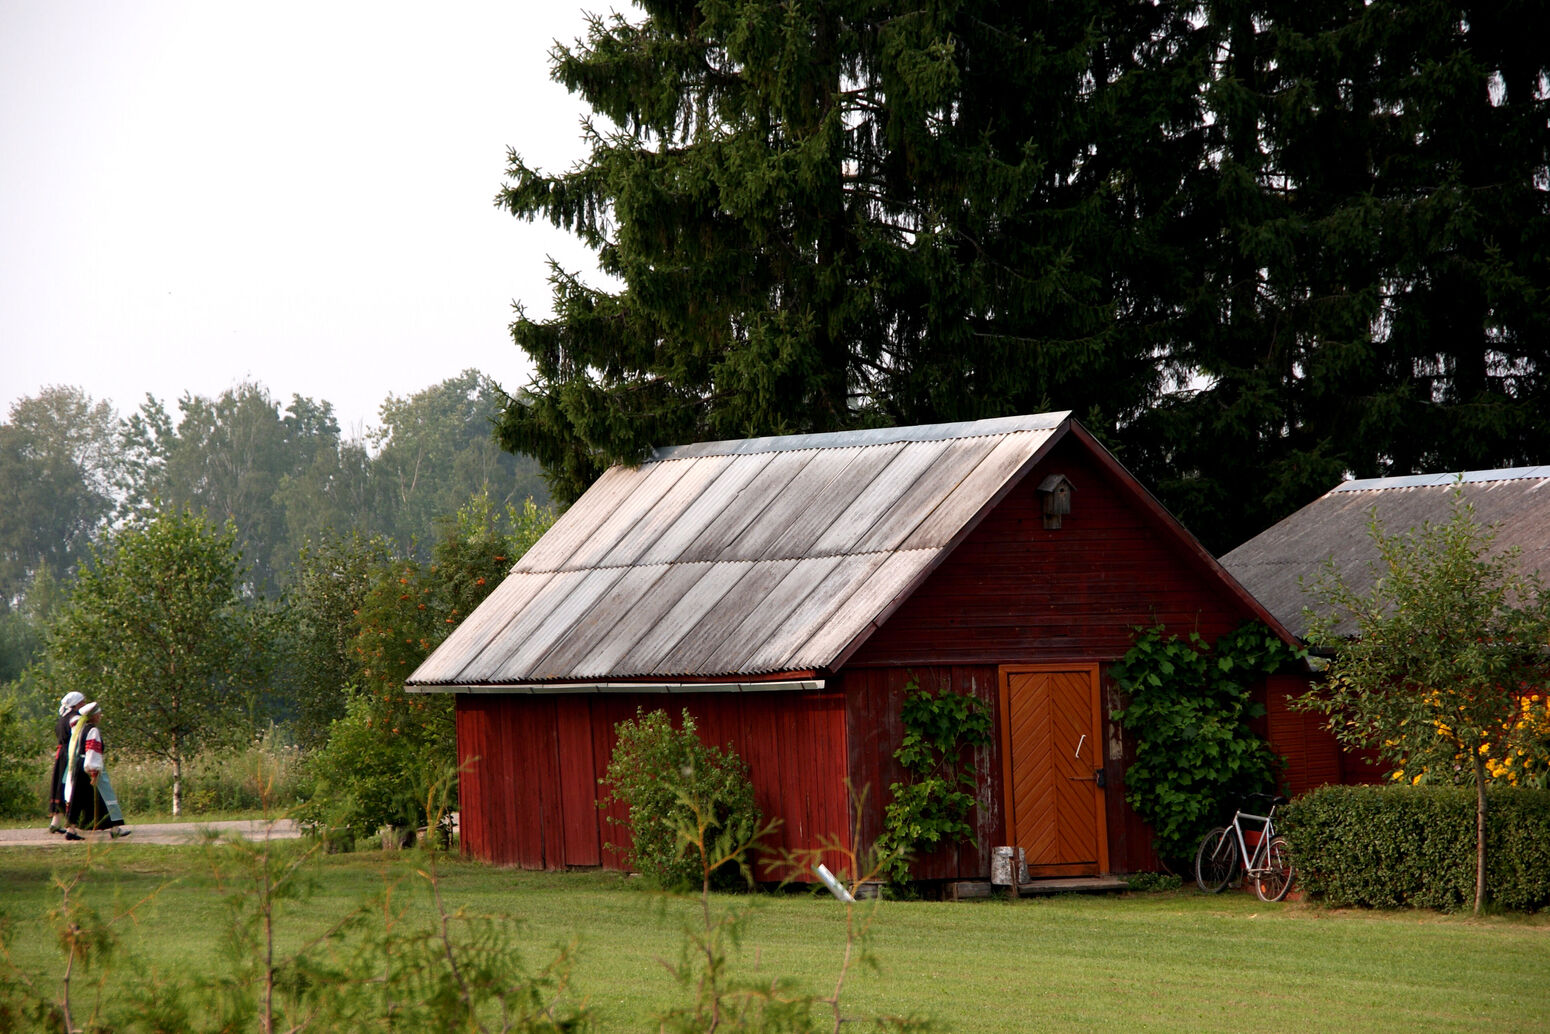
[1268,866]
[1254,865]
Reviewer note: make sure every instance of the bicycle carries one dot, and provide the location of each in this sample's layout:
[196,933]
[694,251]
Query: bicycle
[1225,848]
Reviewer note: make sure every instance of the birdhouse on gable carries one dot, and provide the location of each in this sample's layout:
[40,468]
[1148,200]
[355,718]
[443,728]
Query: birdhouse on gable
[1055,494]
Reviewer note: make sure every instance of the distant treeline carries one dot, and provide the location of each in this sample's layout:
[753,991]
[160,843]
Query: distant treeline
[71,468]
[244,568]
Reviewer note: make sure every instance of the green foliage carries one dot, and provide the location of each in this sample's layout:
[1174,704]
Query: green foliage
[369,776]
[289,479]
[20,754]
[435,449]
[714,995]
[930,807]
[57,467]
[380,755]
[1432,656]
[1430,645]
[232,455]
[156,629]
[1414,846]
[374,968]
[332,577]
[294,959]
[825,215]
[264,774]
[673,784]
[1153,882]
[1188,711]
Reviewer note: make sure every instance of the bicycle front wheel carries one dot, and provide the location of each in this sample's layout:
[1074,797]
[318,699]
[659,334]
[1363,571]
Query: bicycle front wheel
[1216,860]
[1276,880]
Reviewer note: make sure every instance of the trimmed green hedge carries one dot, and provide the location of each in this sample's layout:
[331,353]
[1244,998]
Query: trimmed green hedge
[1414,846]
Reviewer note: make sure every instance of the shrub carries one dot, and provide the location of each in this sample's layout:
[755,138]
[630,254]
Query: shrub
[1398,846]
[19,795]
[367,778]
[660,773]
[1153,882]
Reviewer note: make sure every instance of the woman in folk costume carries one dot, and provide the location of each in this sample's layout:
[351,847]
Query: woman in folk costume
[89,798]
[56,785]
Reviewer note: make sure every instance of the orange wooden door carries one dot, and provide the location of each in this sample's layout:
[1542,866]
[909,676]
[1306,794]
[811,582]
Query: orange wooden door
[1051,746]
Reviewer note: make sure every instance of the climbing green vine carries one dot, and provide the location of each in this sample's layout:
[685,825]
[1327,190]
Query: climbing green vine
[1188,712]
[931,805]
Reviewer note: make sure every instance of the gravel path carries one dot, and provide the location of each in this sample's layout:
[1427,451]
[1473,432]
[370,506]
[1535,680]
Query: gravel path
[158,833]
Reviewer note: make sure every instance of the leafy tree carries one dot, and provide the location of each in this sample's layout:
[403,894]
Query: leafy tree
[435,449]
[19,754]
[332,578]
[240,457]
[58,462]
[156,628]
[22,627]
[25,682]
[334,495]
[1356,265]
[1435,649]
[379,756]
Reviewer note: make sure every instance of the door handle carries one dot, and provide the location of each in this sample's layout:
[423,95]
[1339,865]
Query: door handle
[1078,752]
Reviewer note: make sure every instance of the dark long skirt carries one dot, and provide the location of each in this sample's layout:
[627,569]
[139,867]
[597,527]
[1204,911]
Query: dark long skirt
[87,809]
[56,784]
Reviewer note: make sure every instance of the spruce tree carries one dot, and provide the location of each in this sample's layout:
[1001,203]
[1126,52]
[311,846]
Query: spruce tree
[825,215]
[1256,245]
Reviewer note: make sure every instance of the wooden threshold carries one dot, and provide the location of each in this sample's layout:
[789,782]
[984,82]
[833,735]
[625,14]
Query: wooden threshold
[1073,885]
[966,890]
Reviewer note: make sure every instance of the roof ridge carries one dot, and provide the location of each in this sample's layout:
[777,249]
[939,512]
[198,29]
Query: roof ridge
[864,437]
[1443,480]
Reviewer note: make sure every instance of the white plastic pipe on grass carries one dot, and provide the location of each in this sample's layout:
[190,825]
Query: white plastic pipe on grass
[835,886]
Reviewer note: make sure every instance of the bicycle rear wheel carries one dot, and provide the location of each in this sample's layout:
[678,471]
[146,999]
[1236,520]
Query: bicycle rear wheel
[1276,880]
[1216,861]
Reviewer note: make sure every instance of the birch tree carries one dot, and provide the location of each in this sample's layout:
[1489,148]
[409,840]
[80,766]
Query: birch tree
[156,629]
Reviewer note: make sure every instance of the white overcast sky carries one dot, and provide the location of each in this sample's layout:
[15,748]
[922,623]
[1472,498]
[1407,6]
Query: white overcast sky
[198,193]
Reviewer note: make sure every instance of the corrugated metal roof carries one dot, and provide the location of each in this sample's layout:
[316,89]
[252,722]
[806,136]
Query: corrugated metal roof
[1275,564]
[725,560]
[1468,477]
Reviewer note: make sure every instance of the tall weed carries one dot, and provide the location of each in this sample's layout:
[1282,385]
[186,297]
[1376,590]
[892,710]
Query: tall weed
[265,774]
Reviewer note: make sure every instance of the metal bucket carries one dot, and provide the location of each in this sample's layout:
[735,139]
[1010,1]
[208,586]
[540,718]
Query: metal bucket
[1001,866]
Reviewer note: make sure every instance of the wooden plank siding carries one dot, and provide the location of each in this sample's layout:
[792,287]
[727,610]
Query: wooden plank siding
[857,612]
[530,790]
[1016,593]
[874,699]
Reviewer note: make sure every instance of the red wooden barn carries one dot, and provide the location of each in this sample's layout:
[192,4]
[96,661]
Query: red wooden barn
[786,590]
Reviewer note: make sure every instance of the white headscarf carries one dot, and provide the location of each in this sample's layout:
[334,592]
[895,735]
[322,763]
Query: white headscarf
[69,700]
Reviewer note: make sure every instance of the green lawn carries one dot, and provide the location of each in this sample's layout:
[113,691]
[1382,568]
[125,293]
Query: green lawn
[1159,962]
